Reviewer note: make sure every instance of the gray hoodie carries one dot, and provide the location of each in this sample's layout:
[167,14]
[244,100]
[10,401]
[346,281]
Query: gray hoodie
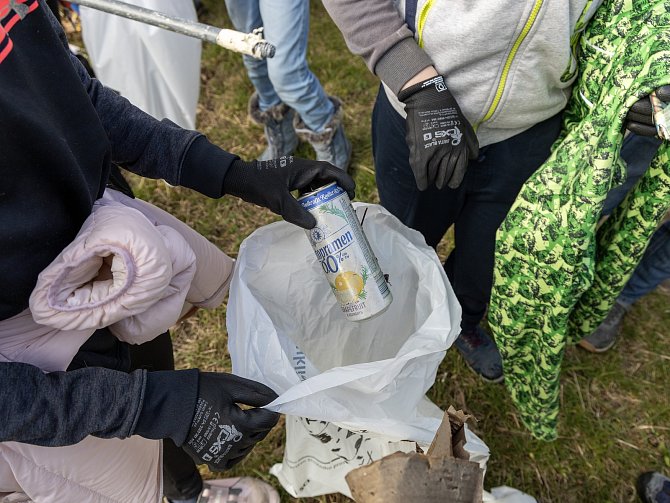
[509,64]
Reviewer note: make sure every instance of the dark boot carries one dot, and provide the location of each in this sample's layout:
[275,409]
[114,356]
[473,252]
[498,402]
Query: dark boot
[604,337]
[481,354]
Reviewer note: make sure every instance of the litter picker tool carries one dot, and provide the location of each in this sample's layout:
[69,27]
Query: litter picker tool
[251,44]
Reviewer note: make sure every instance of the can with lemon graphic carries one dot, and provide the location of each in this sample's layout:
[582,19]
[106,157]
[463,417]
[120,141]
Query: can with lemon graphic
[345,255]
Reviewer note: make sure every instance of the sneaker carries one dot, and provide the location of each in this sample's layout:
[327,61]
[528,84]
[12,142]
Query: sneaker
[238,490]
[481,354]
[604,337]
[652,487]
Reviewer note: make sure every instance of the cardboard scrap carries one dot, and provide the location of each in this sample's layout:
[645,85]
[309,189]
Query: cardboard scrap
[458,418]
[442,446]
[443,474]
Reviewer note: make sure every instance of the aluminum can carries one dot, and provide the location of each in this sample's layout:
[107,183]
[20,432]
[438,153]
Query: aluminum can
[345,255]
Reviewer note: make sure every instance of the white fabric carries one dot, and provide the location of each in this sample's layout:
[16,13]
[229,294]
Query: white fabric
[156,69]
[23,340]
[157,265]
[150,267]
[93,471]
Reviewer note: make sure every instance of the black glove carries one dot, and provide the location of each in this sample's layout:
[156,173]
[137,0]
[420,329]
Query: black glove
[440,138]
[221,433]
[640,117]
[269,184]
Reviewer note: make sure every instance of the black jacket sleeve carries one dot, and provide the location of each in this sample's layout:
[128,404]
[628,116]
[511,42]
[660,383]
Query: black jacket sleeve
[153,148]
[61,408]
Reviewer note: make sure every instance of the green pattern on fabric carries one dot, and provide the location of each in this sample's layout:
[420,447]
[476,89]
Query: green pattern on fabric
[552,275]
[580,26]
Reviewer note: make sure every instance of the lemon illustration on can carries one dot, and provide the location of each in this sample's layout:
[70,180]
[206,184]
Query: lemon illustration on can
[349,285]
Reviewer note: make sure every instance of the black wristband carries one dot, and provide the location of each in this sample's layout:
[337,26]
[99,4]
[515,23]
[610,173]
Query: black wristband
[169,404]
[237,176]
[205,166]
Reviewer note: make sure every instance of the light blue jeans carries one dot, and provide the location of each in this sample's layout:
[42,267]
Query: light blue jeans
[654,268]
[285,77]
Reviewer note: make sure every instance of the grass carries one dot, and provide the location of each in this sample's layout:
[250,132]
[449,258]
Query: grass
[615,414]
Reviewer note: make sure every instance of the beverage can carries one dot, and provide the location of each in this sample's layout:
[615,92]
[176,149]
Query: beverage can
[345,255]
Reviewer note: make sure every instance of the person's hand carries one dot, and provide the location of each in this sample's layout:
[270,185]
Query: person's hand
[440,138]
[269,184]
[221,433]
[640,117]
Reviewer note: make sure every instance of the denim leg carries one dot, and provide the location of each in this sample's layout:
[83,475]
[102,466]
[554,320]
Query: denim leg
[637,151]
[653,269]
[285,77]
[286,25]
[246,16]
[494,181]
[431,212]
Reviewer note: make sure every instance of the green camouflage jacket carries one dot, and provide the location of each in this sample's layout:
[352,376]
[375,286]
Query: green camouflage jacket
[555,277]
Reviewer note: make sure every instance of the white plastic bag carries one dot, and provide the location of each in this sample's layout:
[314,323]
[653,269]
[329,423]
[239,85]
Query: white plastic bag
[318,455]
[367,377]
[156,69]
[505,494]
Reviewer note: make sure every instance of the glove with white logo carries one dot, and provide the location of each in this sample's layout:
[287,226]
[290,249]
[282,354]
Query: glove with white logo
[269,184]
[440,138]
[221,433]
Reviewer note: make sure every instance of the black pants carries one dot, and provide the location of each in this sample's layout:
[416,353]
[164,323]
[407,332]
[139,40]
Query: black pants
[476,208]
[181,479]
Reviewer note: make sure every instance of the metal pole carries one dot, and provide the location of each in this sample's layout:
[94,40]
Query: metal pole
[251,44]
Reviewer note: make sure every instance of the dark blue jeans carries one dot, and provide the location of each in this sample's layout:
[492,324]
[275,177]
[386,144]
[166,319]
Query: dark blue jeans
[476,209]
[654,268]
[637,151]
